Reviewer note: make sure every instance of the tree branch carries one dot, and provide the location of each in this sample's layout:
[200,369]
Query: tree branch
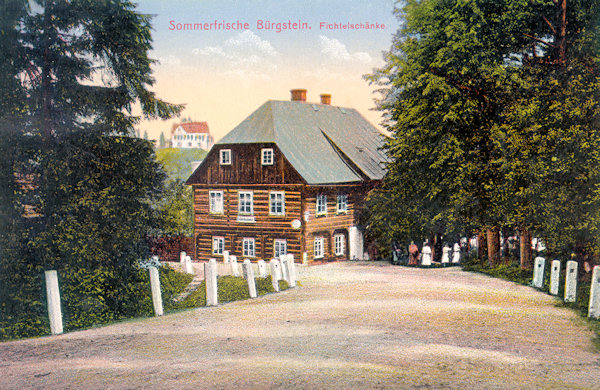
[540,41]
[549,25]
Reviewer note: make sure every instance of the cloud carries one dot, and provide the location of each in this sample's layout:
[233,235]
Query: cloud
[247,40]
[170,60]
[243,54]
[336,50]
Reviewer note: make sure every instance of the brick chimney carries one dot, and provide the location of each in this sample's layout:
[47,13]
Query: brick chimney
[298,95]
[326,99]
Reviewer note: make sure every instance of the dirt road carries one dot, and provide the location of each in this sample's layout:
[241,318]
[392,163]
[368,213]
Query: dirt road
[350,325]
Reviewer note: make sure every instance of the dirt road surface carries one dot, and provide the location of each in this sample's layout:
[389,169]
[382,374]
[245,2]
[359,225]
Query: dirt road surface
[350,326]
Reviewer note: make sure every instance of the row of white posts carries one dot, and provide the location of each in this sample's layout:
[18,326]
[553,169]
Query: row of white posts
[283,268]
[570,283]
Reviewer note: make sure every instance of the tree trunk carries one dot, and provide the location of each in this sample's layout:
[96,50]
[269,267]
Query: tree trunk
[493,246]
[525,249]
[481,245]
[560,41]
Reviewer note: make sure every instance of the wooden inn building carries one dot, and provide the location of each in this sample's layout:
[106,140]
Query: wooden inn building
[287,180]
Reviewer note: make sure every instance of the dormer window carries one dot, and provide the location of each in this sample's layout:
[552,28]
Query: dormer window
[267,157]
[225,157]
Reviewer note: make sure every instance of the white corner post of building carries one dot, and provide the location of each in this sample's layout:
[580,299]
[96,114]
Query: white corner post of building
[235,270]
[156,294]
[262,269]
[210,278]
[304,258]
[426,256]
[182,256]
[554,277]
[456,253]
[538,272]
[446,254]
[275,273]
[571,282]
[284,269]
[355,243]
[291,268]
[249,275]
[189,268]
[53,297]
[594,309]
[225,257]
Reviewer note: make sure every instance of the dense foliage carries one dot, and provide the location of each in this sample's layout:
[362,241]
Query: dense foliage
[77,186]
[494,109]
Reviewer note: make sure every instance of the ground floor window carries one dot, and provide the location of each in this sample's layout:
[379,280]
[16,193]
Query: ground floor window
[319,247]
[249,249]
[340,244]
[218,245]
[279,248]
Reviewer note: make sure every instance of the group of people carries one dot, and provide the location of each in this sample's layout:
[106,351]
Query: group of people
[424,256]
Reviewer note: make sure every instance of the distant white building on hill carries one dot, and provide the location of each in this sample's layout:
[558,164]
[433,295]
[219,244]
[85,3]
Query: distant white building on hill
[191,135]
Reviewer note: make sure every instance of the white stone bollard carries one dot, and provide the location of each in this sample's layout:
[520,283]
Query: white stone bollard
[210,278]
[571,282]
[53,297]
[554,277]
[305,258]
[538,272]
[225,257]
[262,269]
[182,256]
[189,268]
[284,268]
[156,294]
[426,256]
[249,275]
[275,273]
[235,270]
[446,254]
[456,254]
[594,308]
[291,270]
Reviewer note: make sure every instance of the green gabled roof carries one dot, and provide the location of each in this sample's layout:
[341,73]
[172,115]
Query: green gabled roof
[317,139]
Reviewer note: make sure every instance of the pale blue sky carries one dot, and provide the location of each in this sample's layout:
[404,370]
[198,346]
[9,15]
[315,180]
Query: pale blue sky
[223,76]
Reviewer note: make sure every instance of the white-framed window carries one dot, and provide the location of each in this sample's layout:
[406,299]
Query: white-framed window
[245,203]
[225,156]
[277,203]
[319,247]
[321,204]
[267,156]
[216,202]
[279,248]
[339,244]
[342,204]
[249,248]
[218,245]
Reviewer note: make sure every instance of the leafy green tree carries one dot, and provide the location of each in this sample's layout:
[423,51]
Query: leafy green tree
[470,88]
[176,210]
[80,186]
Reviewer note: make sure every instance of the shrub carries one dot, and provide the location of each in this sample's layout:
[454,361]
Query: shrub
[231,288]
[196,299]
[264,285]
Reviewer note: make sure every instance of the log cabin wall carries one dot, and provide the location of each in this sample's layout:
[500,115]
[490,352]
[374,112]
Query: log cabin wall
[247,173]
[327,226]
[246,166]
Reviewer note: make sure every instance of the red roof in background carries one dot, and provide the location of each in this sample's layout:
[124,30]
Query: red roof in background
[192,127]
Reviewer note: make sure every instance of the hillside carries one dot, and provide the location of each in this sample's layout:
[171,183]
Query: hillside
[178,162]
